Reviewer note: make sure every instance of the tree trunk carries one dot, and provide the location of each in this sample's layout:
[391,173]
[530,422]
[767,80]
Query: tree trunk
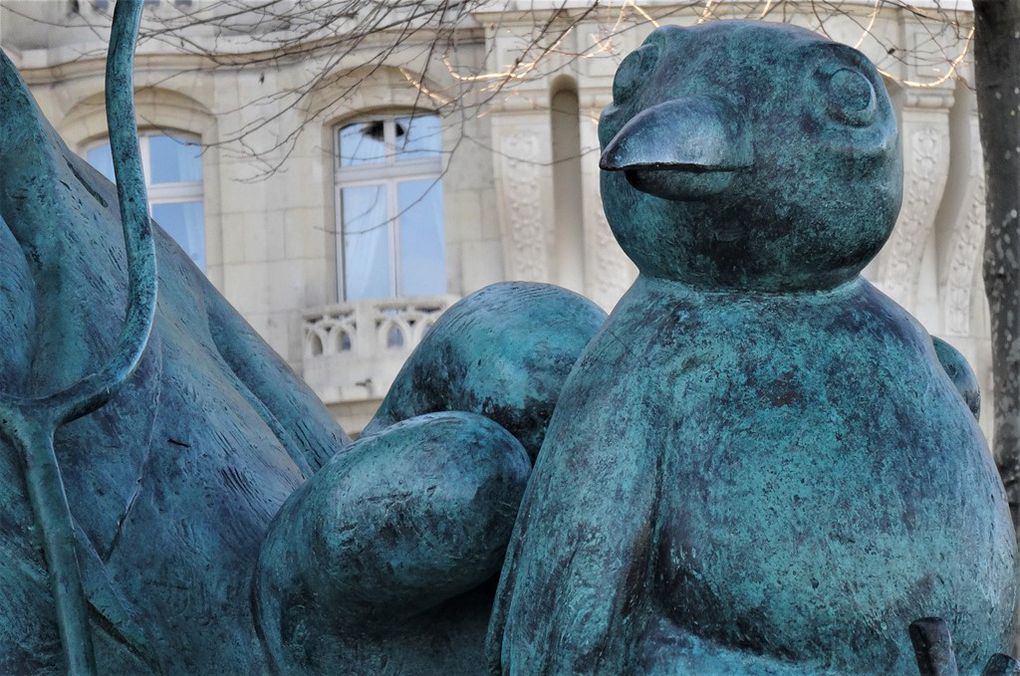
[997,66]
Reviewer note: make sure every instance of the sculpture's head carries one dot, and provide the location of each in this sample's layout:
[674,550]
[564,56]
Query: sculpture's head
[749,155]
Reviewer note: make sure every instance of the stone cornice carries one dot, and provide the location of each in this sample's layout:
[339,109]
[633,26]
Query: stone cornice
[224,52]
[929,98]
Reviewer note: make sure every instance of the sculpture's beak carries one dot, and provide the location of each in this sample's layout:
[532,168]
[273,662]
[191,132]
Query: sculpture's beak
[684,149]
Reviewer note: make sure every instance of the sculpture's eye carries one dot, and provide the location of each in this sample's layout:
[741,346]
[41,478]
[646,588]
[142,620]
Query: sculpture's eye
[851,98]
[633,72]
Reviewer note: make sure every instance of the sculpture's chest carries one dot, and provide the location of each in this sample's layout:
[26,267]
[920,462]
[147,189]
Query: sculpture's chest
[762,393]
[724,361]
[799,446]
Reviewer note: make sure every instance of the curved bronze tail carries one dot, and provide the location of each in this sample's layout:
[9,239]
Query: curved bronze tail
[31,422]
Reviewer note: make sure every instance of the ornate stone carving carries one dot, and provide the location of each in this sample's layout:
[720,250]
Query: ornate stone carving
[527,253]
[611,272]
[352,351]
[927,152]
[965,248]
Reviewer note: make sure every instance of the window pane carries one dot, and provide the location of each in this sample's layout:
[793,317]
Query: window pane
[174,161]
[366,231]
[101,158]
[418,137]
[422,254]
[362,143]
[185,222]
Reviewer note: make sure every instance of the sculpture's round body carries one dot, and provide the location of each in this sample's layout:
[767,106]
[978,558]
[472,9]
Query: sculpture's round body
[503,352]
[373,565]
[759,464]
[787,475]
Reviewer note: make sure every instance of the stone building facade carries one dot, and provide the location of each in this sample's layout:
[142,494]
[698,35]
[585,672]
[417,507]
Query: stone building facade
[509,177]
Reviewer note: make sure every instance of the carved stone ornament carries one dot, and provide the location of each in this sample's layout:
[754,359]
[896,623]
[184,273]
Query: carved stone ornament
[613,273]
[522,195]
[966,246]
[925,173]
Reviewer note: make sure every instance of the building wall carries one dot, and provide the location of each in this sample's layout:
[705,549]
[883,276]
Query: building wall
[520,201]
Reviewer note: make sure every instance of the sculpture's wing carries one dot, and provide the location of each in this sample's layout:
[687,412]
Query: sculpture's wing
[959,371]
[582,545]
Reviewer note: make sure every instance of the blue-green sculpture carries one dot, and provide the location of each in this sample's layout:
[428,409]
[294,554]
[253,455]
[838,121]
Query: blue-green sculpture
[41,402]
[138,539]
[759,465]
[503,352]
[397,542]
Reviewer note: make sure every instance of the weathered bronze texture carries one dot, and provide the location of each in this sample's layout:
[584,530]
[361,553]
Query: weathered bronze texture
[759,465]
[385,561]
[504,352]
[146,546]
[30,417]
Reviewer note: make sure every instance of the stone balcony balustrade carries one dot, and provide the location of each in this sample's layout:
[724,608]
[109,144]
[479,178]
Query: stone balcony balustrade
[354,350]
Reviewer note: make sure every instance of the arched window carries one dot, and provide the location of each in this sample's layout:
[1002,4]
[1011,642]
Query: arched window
[173,177]
[389,205]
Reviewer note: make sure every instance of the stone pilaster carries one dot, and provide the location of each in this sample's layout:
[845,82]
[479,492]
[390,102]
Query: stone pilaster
[924,132]
[524,188]
[964,252]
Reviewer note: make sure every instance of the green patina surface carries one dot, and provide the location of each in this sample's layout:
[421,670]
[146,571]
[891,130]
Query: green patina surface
[758,464]
[387,546]
[383,555]
[503,352]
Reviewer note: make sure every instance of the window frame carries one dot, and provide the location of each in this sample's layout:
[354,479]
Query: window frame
[166,193]
[388,174]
